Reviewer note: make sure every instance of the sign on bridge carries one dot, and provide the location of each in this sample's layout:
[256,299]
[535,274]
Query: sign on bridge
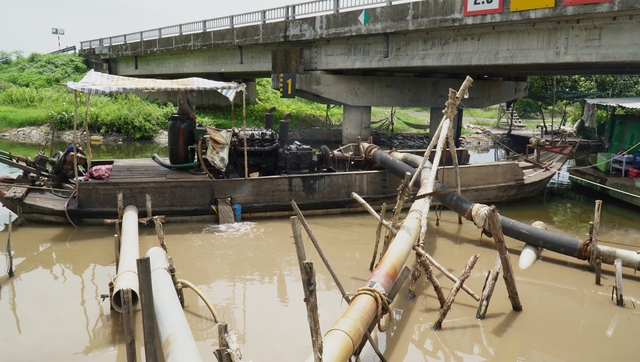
[479,7]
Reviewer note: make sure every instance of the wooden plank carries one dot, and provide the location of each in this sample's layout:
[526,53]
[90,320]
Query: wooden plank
[225,212]
[16,193]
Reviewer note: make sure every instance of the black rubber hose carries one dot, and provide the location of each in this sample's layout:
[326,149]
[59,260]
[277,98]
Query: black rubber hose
[461,205]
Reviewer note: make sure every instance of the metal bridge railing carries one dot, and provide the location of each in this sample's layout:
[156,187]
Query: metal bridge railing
[282,13]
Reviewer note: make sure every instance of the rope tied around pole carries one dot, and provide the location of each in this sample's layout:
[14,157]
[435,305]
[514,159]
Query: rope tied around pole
[479,215]
[381,301]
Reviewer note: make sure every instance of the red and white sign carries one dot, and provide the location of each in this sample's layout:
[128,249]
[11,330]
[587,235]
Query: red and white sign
[584,2]
[479,7]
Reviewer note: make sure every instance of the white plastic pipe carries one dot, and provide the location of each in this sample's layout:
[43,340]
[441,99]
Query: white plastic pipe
[177,340]
[127,277]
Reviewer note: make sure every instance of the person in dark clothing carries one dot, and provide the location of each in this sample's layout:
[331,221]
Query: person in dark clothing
[187,103]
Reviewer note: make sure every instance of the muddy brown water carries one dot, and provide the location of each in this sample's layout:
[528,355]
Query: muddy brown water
[51,310]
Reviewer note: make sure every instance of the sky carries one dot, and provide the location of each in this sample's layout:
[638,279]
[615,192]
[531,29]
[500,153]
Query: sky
[26,25]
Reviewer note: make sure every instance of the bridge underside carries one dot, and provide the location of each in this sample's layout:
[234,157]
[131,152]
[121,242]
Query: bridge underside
[407,55]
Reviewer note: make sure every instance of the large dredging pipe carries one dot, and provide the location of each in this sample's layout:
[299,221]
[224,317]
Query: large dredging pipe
[127,277]
[177,339]
[345,335]
[400,163]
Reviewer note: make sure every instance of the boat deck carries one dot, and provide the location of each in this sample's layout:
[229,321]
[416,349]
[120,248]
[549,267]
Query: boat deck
[146,170]
[614,185]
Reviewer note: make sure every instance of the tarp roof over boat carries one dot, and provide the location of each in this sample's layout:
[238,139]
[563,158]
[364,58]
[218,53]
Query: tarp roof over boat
[101,83]
[632,102]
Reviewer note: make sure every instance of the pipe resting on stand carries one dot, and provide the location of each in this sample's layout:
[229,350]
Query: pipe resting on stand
[177,339]
[127,277]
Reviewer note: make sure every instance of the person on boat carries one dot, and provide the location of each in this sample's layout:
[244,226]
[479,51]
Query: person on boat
[187,103]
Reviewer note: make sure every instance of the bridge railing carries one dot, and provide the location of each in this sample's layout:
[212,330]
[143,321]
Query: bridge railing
[283,13]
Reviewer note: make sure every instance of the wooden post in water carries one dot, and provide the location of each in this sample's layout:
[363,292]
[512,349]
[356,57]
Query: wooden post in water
[346,298]
[120,201]
[378,230]
[444,271]
[593,235]
[619,296]
[148,313]
[487,291]
[309,287]
[160,232]
[404,191]
[172,272]
[9,252]
[222,353]
[503,251]
[127,321]
[454,291]
[428,271]
[598,270]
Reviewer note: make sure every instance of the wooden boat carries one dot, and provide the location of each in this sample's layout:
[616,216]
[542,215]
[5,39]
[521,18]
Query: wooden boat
[189,194]
[252,168]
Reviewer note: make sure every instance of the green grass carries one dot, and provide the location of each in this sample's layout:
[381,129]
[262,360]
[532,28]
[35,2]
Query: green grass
[11,117]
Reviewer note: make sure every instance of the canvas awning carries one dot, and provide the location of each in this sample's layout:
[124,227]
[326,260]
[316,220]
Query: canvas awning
[100,83]
[631,102]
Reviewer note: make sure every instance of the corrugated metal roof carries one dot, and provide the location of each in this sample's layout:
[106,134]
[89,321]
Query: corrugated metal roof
[632,102]
[100,83]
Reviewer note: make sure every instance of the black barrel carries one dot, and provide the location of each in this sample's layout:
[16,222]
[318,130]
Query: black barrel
[181,136]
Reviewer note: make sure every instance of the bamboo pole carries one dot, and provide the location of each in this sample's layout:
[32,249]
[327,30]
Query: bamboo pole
[309,288]
[454,291]
[444,271]
[244,130]
[507,275]
[619,294]
[87,137]
[403,193]
[75,142]
[487,290]
[416,272]
[378,230]
[339,340]
[593,235]
[346,298]
[373,212]
[428,270]
[8,250]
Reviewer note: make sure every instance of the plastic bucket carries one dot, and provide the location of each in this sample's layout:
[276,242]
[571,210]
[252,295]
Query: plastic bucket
[237,211]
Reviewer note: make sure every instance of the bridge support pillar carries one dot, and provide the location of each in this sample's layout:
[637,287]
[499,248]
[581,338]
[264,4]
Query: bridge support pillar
[436,118]
[356,122]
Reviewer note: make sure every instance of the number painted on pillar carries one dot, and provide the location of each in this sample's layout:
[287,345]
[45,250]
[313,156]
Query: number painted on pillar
[479,7]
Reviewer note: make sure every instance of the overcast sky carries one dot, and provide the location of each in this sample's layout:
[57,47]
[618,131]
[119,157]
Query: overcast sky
[26,24]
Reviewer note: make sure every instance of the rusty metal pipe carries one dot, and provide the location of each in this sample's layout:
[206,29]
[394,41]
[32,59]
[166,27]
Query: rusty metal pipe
[345,335]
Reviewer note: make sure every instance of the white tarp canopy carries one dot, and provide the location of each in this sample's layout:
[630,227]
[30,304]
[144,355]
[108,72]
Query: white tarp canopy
[633,102]
[100,83]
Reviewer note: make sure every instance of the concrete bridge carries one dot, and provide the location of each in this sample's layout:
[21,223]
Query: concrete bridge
[384,54]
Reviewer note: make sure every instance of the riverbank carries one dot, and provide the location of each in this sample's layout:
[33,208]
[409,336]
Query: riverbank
[386,140]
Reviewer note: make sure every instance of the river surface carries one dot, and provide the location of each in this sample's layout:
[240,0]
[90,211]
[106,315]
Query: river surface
[51,310]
